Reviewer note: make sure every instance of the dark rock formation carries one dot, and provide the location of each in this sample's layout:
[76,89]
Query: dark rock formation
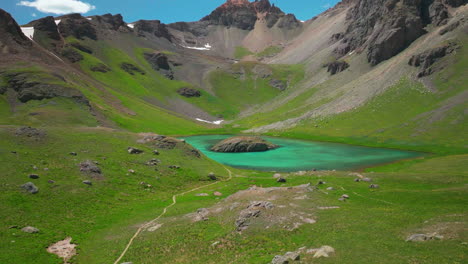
[427,58]
[336,67]
[77,26]
[72,55]
[30,187]
[160,62]
[280,85]
[89,167]
[154,27]
[131,69]
[189,92]
[243,14]
[81,47]
[132,150]
[386,27]
[10,32]
[100,68]
[113,22]
[27,88]
[451,27]
[48,26]
[243,144]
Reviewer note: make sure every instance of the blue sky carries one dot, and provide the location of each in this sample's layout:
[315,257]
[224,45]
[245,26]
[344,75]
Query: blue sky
[167,11]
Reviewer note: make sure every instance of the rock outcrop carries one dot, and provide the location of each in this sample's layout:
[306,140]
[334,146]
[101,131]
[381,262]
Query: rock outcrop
[113,22]
[160,62]
[131,69]
[10,32]
[243,144]
[154,27]
[385,28]
[189,92]
[27,87]
[77,26]
[243,14]
[47,26]
[427,58]
[336,67]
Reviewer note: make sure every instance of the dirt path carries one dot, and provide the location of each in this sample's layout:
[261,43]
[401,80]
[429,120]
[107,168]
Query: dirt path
[174,201]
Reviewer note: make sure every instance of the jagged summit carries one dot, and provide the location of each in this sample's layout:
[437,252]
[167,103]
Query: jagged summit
[243,14]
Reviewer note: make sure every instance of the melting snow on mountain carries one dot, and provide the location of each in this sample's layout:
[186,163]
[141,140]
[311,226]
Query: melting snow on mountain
[57,22]
[131,25]
[28,31]
[218,122]
[206,47]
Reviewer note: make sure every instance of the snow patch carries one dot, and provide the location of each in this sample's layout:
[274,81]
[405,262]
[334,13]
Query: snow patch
[89,18]
[131,25]
[206,47]
[218,122]
[57,22]
[28,31]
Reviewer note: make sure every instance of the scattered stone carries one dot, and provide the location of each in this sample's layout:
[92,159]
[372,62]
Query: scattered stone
[87,182]
[423,237]
[89,167]
[324,251]
[51,181]
[189,92]
[276,175]
[132,150]
[100,68]
[73,153]
[374,186]
[46,169]
[321,182]
[341,199]
[202,194]
[279,260]
[330,189]
[336,67]
[13,227]
[155,152]
[217,194]
[30,187]
[63,249]
[34,176]
[357,179]
[367,180]
[30,132]
[131,69]
[131,171]
[278,84]
[212,176]
[345,196]
[153,162]
[215,243]
[201,215]
[30,229]
[293,255]
[281,179]
[34,167]
[126,263]
[175,167]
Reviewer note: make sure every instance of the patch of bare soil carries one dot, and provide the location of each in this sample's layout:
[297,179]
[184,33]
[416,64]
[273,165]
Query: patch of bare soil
[263,208]
[63,249]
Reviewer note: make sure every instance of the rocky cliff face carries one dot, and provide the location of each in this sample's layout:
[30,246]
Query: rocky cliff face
[243,14]
[10,33]
[154,27]
[386,27]
[77,26]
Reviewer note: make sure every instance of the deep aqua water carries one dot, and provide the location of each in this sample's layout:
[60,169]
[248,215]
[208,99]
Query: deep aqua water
[298,155]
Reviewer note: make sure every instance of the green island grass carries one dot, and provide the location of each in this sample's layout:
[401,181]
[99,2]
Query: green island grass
[269,51]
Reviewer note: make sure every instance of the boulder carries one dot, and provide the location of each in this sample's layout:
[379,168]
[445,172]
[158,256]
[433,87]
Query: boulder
[132,150]
[336,67]
[100,68]
[324,251]
[87,182]
[243,144]
[374,186]
[34,176]
[427,58]
[189,92]
[89,167]
[280,260]
[280,85]
[30,229]
[131,69]
[30,187]
[212,176]
[281,180]
[160,62]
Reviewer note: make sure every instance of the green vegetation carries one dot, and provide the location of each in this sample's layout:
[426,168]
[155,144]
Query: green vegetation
[269,51]
[241,52]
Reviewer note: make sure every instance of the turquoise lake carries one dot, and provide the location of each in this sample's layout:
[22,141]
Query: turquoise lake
[299,155]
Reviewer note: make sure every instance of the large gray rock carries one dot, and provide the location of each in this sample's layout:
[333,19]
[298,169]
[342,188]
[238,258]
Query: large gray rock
[30,229]
[243,144]
[89,167]
[30,187]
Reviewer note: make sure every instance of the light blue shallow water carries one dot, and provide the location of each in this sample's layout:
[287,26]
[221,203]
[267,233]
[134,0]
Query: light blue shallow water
[297,155]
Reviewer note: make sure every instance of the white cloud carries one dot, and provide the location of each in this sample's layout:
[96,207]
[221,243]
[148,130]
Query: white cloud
[59,6]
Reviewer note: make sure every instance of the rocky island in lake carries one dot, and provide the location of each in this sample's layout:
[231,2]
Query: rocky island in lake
[243,144]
